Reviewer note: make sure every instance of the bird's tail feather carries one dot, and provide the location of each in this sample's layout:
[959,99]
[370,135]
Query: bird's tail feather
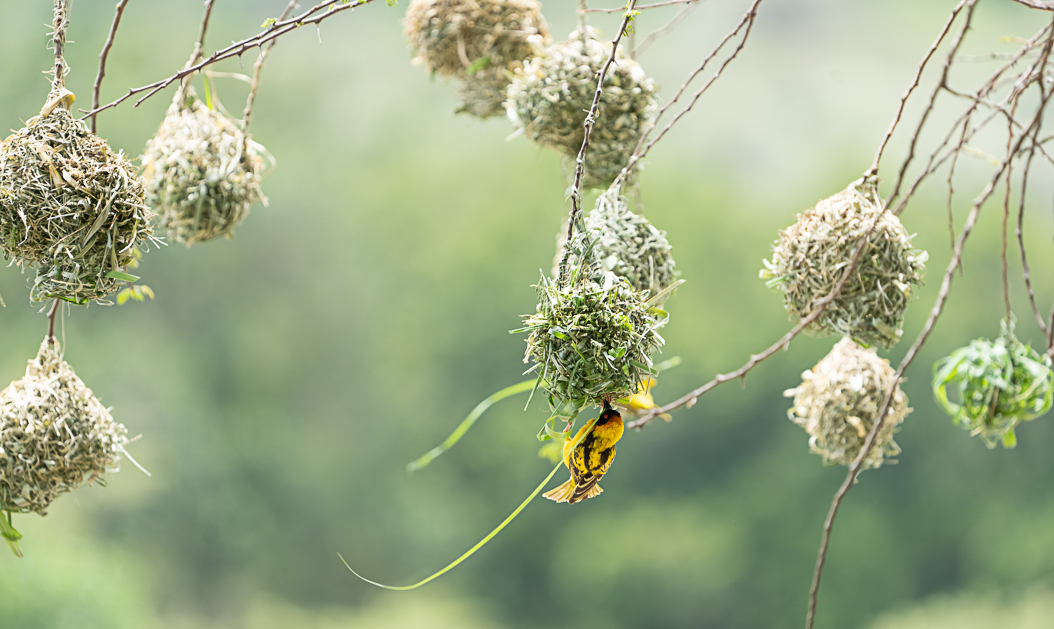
[566,492]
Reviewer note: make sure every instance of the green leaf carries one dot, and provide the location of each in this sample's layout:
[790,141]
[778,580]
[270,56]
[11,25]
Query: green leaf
[118,275]
[477,65]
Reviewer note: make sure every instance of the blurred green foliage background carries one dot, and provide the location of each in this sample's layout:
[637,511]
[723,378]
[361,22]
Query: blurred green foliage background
[282,380]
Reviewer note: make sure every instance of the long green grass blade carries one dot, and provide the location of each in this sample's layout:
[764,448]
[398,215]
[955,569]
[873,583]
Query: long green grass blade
[467,423]
[482,542]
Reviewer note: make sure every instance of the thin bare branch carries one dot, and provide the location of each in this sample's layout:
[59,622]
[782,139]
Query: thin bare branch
[257,69]
[102,59]
[918,77]
[665,28]
[1043,5]
[643,7]
[932,100]
[1021,244]
[590,122]
[314,15]
[642,148]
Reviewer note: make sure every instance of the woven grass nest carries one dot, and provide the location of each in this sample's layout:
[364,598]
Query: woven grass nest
[999,384]
[55,435]
[550,96]
[202,173]
[69,206]
[810,256]
[630,246]
[838,400]
[478,42]
[593,335]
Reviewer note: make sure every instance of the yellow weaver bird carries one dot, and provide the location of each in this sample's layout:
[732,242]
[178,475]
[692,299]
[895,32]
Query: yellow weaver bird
[590,459]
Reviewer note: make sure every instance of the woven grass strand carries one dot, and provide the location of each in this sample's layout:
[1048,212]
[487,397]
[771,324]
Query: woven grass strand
[810,256]
[202,172]
[55,435]
[478,43]
[838,400]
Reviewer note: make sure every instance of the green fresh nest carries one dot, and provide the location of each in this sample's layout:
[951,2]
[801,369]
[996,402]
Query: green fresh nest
[55,435]
[1001,383]
[550,96]
[810,257]
[202,172]
[593,335]
[838,401]
[71,207]
[630,246]
[477,41]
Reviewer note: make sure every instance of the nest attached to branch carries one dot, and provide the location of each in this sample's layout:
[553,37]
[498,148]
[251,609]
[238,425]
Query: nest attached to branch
[55,435]
[1001,383]
[69,206]
[593,335]
[202,172]
[838,401]
[479,42]
[550,96]
[811,255]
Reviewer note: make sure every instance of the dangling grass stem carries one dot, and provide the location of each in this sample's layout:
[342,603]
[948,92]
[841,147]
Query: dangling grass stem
[467,423]
[490,536]
[8,532]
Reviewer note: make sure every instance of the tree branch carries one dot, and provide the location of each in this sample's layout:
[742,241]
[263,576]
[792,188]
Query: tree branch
[257,69]
[102,60]
[590,122]
[1042,5]
[237,49]
[643,7]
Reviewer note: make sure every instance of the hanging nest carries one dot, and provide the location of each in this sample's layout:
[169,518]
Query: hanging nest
[1001,383]
[69,206]
[550,96]
[478,42]
[202,172]
[838,400]
[55,435]
[811,255]
[593,335]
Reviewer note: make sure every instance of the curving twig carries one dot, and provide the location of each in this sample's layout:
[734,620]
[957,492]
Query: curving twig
[642,148]
[643,6]
[665,28]
[102,59]
[1043,5]
[314,15]
[257,69]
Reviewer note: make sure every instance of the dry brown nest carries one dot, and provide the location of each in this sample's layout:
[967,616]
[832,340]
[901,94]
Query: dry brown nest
[811,255]
[202,172]
[55,435]
[550,96]
[838,401]
[478,42]
[71,207]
